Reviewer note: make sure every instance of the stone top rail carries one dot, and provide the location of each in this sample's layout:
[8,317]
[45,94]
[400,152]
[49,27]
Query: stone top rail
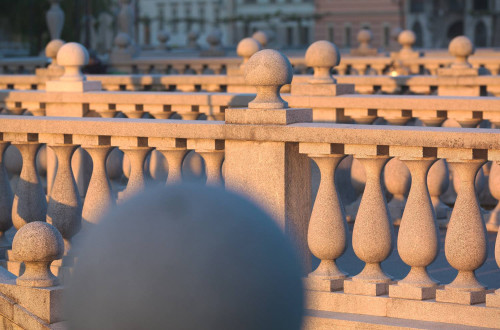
[369,84]
[362,109]
[134,105]
[470,143]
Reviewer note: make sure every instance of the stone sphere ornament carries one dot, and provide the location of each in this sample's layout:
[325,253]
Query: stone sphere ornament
[461,47]
[73,56]
[322,56]
[37,244]
[268,70]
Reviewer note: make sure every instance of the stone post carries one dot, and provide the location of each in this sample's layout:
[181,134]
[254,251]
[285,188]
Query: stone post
[365,37]
[273,174]
[461,48]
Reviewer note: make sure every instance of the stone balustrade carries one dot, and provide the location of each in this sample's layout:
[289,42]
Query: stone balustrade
[263,149]
[327,145]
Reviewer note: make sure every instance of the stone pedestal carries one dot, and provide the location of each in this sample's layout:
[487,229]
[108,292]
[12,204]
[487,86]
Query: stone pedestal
[273,174]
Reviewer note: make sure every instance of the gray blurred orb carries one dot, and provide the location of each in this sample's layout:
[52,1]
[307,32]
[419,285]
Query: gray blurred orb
[186,257]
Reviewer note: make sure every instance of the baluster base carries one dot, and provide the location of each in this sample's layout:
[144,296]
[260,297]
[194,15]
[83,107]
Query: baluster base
[493,299]
[412,292]
[314,283]
[366,288]
[461,297]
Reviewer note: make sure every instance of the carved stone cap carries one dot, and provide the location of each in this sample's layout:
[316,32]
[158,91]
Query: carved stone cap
[268,70]
[72,56]
[261,37]
[461,47]
[322,56]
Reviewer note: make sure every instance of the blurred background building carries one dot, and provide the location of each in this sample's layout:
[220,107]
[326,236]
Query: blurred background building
[292,23]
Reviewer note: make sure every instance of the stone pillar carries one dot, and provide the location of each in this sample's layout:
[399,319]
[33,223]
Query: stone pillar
[461,48]
[273,174]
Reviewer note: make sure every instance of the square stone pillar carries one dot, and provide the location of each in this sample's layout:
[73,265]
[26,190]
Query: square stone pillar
[273,174]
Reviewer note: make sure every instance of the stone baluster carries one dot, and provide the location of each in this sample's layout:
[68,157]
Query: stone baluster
[55,19]
[30,203]
[137,178]
[418,239]
[64,210]
[327,232]
[6,198]
[212,152]
[466,241]
[246,48]
[372,237]
[99,195]
[358,181]
[438,180]
[397,180]
[493,223]
[174,151]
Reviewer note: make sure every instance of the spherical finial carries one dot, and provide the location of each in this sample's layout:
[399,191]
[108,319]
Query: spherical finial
[364,36]
[163,36]
[122,40]
[193,36]
[322,56]
[183,228]
[461,47]
[52,48]
[268,70]
[37,244]
[261,37]
[72,56]
[407,38]
[247,47]
[214,38]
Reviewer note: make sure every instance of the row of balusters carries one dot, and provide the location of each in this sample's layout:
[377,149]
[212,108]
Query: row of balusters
[372,237]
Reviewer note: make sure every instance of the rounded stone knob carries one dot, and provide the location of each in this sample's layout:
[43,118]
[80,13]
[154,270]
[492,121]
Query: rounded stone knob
[406,39]
[52,49]
[193,36]
[364,38]
[247,47]
[163,36]
[322,56]
[261,37]
[214,38]
[37,244]
[268,70]
[461,47]
[122,40]
[72,56]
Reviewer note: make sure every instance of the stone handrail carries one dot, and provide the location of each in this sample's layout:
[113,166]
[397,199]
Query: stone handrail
[361,109]
[488,85]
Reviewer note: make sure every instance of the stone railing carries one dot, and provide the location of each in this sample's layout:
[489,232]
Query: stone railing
[264,150]
[414,84]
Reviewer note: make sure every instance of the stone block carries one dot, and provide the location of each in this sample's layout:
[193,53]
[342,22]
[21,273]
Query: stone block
[461,297]
[322,89]
[45,303]
[455,90]
[267,116]
[315,283]
[73,86]
[453,72]
[365,288]
[493,300]
[411,292]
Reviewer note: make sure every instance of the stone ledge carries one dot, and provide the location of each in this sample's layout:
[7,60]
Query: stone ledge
[426,310]
[314,320]
[267,116]
[307,89]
